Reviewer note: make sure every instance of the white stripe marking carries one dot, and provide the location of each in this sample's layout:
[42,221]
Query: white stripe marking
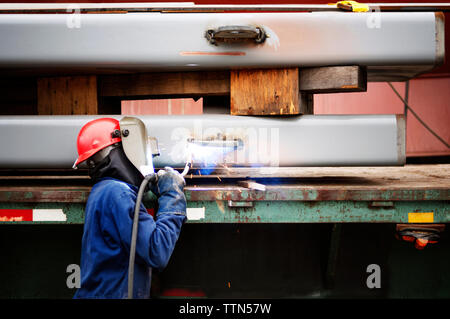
[195,213]
[49,215]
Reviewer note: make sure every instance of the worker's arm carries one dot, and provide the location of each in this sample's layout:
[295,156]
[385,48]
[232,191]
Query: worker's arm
[156,239]
[171,211]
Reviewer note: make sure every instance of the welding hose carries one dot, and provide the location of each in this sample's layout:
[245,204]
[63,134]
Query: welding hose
[151,178]
[188,166]
[186,169]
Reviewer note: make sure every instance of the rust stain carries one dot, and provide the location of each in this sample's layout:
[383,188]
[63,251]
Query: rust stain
[311,204]
[231,53]
[440,16]
[221,206]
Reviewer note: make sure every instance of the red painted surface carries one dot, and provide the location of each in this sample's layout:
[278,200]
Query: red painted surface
[429,98]
[18,215]
[162,107]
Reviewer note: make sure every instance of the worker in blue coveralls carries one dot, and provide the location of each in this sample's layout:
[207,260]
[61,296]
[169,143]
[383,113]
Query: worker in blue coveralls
[109,217]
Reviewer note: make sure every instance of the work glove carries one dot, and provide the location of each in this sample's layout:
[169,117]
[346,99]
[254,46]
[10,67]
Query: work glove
[169,190]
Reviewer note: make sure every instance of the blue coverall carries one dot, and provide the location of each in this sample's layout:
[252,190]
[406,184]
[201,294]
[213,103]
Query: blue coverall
[107,236]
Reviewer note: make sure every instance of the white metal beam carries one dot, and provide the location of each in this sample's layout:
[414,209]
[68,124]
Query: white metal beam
[308,140]
[385,42]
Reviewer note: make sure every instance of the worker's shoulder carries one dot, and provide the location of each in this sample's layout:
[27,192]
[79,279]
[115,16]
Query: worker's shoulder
[114,187]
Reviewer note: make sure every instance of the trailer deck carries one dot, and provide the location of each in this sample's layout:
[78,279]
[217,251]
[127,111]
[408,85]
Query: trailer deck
[409,194]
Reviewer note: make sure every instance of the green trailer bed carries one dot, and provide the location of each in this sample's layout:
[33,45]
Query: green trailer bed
[413,193]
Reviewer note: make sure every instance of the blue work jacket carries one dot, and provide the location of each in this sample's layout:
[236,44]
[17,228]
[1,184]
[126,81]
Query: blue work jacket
[107,239]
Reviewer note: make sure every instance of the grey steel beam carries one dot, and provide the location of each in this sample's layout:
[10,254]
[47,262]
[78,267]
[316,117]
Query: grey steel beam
[386,43]
[192,7]
[308,140]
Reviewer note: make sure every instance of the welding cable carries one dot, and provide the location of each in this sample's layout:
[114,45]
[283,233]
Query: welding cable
[151,178]
[186,169]
[417,116]
[188,166]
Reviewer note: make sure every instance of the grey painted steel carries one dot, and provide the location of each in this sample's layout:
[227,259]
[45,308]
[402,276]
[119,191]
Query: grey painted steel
[309,140]
[139,42]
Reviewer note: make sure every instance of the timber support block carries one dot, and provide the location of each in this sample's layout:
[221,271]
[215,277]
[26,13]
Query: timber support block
[71,95]
[333,79]
[306,103]
[183,84]
[264,92]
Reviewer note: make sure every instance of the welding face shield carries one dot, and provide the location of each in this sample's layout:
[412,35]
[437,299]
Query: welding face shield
[137,145]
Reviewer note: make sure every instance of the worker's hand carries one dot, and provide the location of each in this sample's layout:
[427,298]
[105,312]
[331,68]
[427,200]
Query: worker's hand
[169,189]
[168,179]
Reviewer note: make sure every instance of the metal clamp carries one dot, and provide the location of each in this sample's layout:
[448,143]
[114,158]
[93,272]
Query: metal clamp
[236,34]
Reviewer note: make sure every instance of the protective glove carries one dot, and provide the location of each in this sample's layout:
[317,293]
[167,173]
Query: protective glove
[169,190]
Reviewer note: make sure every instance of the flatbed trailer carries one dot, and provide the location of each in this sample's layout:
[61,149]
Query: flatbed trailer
[295,195]
[298,238]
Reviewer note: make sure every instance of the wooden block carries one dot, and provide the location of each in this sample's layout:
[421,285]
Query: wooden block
[306,103]
[264,92]
[185,84]
[73,95]
[333,79]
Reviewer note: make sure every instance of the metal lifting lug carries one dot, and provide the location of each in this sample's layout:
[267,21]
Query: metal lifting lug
[236,34]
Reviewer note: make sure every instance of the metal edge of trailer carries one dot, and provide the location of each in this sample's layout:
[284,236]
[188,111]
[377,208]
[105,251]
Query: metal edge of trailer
[258,212]
[196,193]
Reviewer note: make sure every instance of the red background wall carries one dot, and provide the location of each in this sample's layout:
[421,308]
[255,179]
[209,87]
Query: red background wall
[429,98]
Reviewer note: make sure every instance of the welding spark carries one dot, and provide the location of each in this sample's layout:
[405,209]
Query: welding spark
[208,155]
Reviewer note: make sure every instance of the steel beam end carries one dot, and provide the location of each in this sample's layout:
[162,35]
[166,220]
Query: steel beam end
[401,139]
[440,38]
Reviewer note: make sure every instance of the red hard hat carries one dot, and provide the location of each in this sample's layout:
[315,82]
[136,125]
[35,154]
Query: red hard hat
[95,136]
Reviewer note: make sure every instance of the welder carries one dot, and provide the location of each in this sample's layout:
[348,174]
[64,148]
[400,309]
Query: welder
[109,211]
